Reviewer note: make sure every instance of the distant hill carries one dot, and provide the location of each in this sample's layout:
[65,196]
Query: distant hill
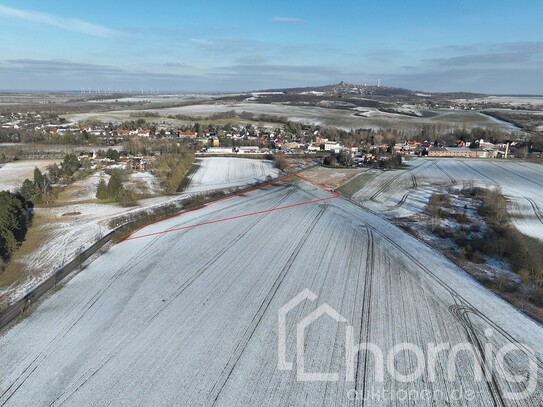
[344,88]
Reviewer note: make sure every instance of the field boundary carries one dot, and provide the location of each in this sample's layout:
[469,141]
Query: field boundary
[21,305]
[276,181]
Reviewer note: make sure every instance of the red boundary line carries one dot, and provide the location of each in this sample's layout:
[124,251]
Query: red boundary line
[334,195]
[210,203]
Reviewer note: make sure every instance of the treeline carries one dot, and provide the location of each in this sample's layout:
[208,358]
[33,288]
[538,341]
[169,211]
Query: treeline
[40,188]
[110,154]
[33,136]
[15,219]
[232,114]
[502,239]
[443,133]
[127,224]
[147,146]
[144,114]
[344,159]
[499,239]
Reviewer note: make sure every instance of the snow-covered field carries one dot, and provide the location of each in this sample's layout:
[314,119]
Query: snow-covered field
[190,317]
[402,193]
[13,174]
[340,118]
[77,224]
[224,172]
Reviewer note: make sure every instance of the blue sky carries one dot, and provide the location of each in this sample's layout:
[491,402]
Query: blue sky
[480,46]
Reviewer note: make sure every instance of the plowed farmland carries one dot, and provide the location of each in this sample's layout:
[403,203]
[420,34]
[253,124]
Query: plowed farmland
[185,313]
[403,193]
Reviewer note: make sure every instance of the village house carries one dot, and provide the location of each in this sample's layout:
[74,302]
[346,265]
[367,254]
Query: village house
[314,147]
[137,163]
[247,150]
[218,150]
[331,146]
[186,134]
[291,146]
[214,141]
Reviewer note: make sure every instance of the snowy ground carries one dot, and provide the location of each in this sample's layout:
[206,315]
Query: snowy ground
[223,172]
[78,223]
[402,193]
[340,118]
[70,229]
[13,174]
[144,183]
[330,178]
[85,189]
[189,317]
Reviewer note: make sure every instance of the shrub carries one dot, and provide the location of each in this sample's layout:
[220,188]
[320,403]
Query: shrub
[102,190]
[127,198]
[115,185]
[280,161]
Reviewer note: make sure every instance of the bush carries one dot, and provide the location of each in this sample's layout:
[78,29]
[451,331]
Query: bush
[436,203]
[280,161]
[115,185]
[494,206]
[102,190]
[127,198]
[502,239]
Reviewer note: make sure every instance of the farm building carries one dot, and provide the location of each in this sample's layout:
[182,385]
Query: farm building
[460,152]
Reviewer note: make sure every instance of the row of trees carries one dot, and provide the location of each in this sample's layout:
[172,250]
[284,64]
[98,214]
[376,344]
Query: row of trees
[33,136]
[39,189]
[172,170]
[111,154]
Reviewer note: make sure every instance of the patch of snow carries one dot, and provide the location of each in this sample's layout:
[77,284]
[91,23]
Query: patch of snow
[225,172]
[13,174]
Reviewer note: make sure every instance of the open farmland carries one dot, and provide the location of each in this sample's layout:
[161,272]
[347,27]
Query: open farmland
[402,193]
[224,172]
[340,118]
[185,313]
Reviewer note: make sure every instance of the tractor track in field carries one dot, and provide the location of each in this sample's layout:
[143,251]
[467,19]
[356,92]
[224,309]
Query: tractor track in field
[249,331]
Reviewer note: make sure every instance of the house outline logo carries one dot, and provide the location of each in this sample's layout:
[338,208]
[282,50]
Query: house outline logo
[301,374]
[301,327]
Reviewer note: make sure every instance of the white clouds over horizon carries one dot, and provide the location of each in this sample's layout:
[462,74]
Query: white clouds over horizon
[208,46]
[70,24]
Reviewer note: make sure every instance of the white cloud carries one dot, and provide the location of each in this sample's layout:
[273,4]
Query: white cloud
[202,42]
[288,20]
[70,24]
